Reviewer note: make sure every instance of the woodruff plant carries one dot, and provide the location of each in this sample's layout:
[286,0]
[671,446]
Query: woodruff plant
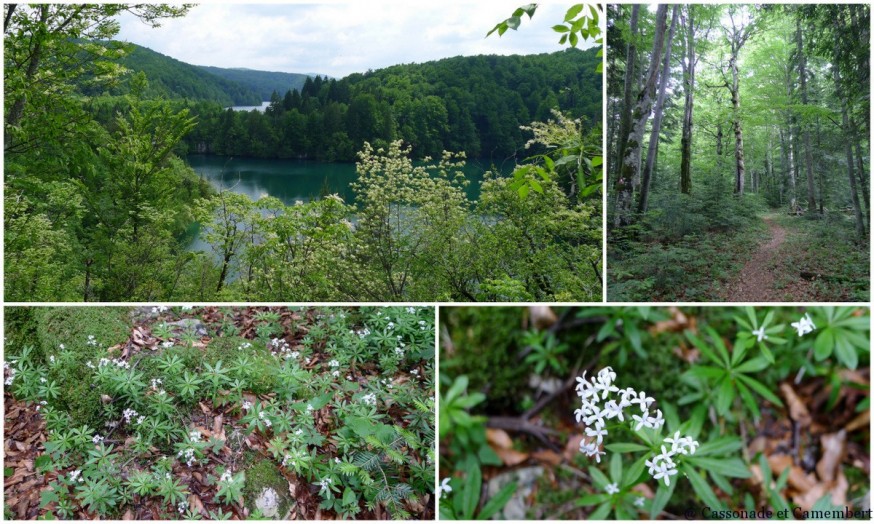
[604,407]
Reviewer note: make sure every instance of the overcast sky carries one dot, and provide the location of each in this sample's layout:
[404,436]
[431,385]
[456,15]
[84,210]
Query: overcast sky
[339,38]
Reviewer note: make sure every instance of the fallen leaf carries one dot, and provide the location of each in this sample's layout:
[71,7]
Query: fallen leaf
[573,447]
[498,438]
[861,421]
[547,456]
[128,515]
[833,449]
[542,317]
[797,410]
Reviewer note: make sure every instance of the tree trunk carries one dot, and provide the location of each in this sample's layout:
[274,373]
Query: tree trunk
[630,65]
[821,173]
[860,158]
[657,117]
[17,110]
[629,170]
[689,86]
[802,75]
[848,148]
[740,170]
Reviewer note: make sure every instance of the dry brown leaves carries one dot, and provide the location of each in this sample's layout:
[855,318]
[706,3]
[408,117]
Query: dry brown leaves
[24,438]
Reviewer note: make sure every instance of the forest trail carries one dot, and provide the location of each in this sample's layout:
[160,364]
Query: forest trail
[755,283]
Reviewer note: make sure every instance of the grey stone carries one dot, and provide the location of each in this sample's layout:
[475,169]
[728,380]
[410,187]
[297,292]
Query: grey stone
[268,502]
[190,324]
[525,479]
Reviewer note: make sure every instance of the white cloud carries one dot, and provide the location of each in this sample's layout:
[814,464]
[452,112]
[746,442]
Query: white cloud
[340,38]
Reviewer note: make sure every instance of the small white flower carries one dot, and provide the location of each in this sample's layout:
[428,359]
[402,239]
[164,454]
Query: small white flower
[167,344]
[310,408]
[52,358]
[247,405]
[611,489]
[640,502]
[760,334]
[411,310]
[335,373]
[369,399]
[334,363]
[391,325]
[443,488]
[597,433]
[97,439]
[226,476]
[804,325]
[76,476]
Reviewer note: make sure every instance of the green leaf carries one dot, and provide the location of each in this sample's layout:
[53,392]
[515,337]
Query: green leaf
[523,191]
[598,478]
[754,365]
[497,503]
[601,512]
[536,186]
[730,467]
[632,474]
[616,467]
[720,446]
[597,161]
[591,500]
[701,487]
[42,461]
[573,12]
[760,388]
[845,352]
[824,344]
[600,67]
[457,388]
[513,22]
[560,28]
[748,400]
[725,396]
[625,447]
[573,39]
[662,496]
[470,495]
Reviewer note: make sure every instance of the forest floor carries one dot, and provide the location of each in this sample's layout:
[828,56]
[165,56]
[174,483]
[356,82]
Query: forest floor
[757,281]
[801,260]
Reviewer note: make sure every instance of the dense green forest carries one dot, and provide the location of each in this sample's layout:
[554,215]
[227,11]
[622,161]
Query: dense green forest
[262,82]
[101,206]
[170,78]
[471,104]
[738,152]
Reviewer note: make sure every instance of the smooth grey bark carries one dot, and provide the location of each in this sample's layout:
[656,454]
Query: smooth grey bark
[652,148]
[629,177]
[630,75]
[805,132]
[689,86]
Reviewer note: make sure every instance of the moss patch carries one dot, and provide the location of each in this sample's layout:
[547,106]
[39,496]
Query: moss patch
[71,326]
[261,475]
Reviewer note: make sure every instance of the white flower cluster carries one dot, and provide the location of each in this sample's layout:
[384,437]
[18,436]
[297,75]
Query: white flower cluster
[155,383]
[411,310]
[51,359]
[188,456]
[597,408]
[804,326]
[363,333]
[167,344]
[422,325]
[399,352]
[187,307]
[391,325]
[334,363]
[129,414]
[91,341]
[226,476]
[263,417]
[105,362]
[325,484]
[159,309]
[76,476]
[12,371]
[369,399]
[246,405]
[97,439]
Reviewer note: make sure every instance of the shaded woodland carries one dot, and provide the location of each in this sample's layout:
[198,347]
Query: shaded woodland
[738,152]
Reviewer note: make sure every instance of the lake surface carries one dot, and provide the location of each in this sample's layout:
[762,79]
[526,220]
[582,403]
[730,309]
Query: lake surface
[260,109]
[293,180]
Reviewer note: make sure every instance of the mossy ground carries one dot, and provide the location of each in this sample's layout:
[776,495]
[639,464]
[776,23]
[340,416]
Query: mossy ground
[262,474]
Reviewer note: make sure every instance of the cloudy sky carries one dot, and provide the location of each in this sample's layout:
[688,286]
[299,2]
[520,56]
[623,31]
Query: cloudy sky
[339,38]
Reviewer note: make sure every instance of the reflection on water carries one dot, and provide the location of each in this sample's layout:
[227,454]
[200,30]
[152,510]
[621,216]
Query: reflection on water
[292,180]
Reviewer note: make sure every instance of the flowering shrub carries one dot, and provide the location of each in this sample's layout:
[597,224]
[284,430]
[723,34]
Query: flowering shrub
[338,401]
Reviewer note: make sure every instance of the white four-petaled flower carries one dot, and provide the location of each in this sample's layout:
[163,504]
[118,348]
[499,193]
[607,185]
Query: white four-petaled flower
[804,325]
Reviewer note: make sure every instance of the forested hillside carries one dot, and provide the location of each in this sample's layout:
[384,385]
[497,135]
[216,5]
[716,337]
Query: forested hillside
[262,82]
[171,78]
[471,104]
[738,152]
[100,204]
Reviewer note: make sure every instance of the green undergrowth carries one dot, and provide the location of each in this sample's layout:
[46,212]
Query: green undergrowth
[338,399]
[825,247]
